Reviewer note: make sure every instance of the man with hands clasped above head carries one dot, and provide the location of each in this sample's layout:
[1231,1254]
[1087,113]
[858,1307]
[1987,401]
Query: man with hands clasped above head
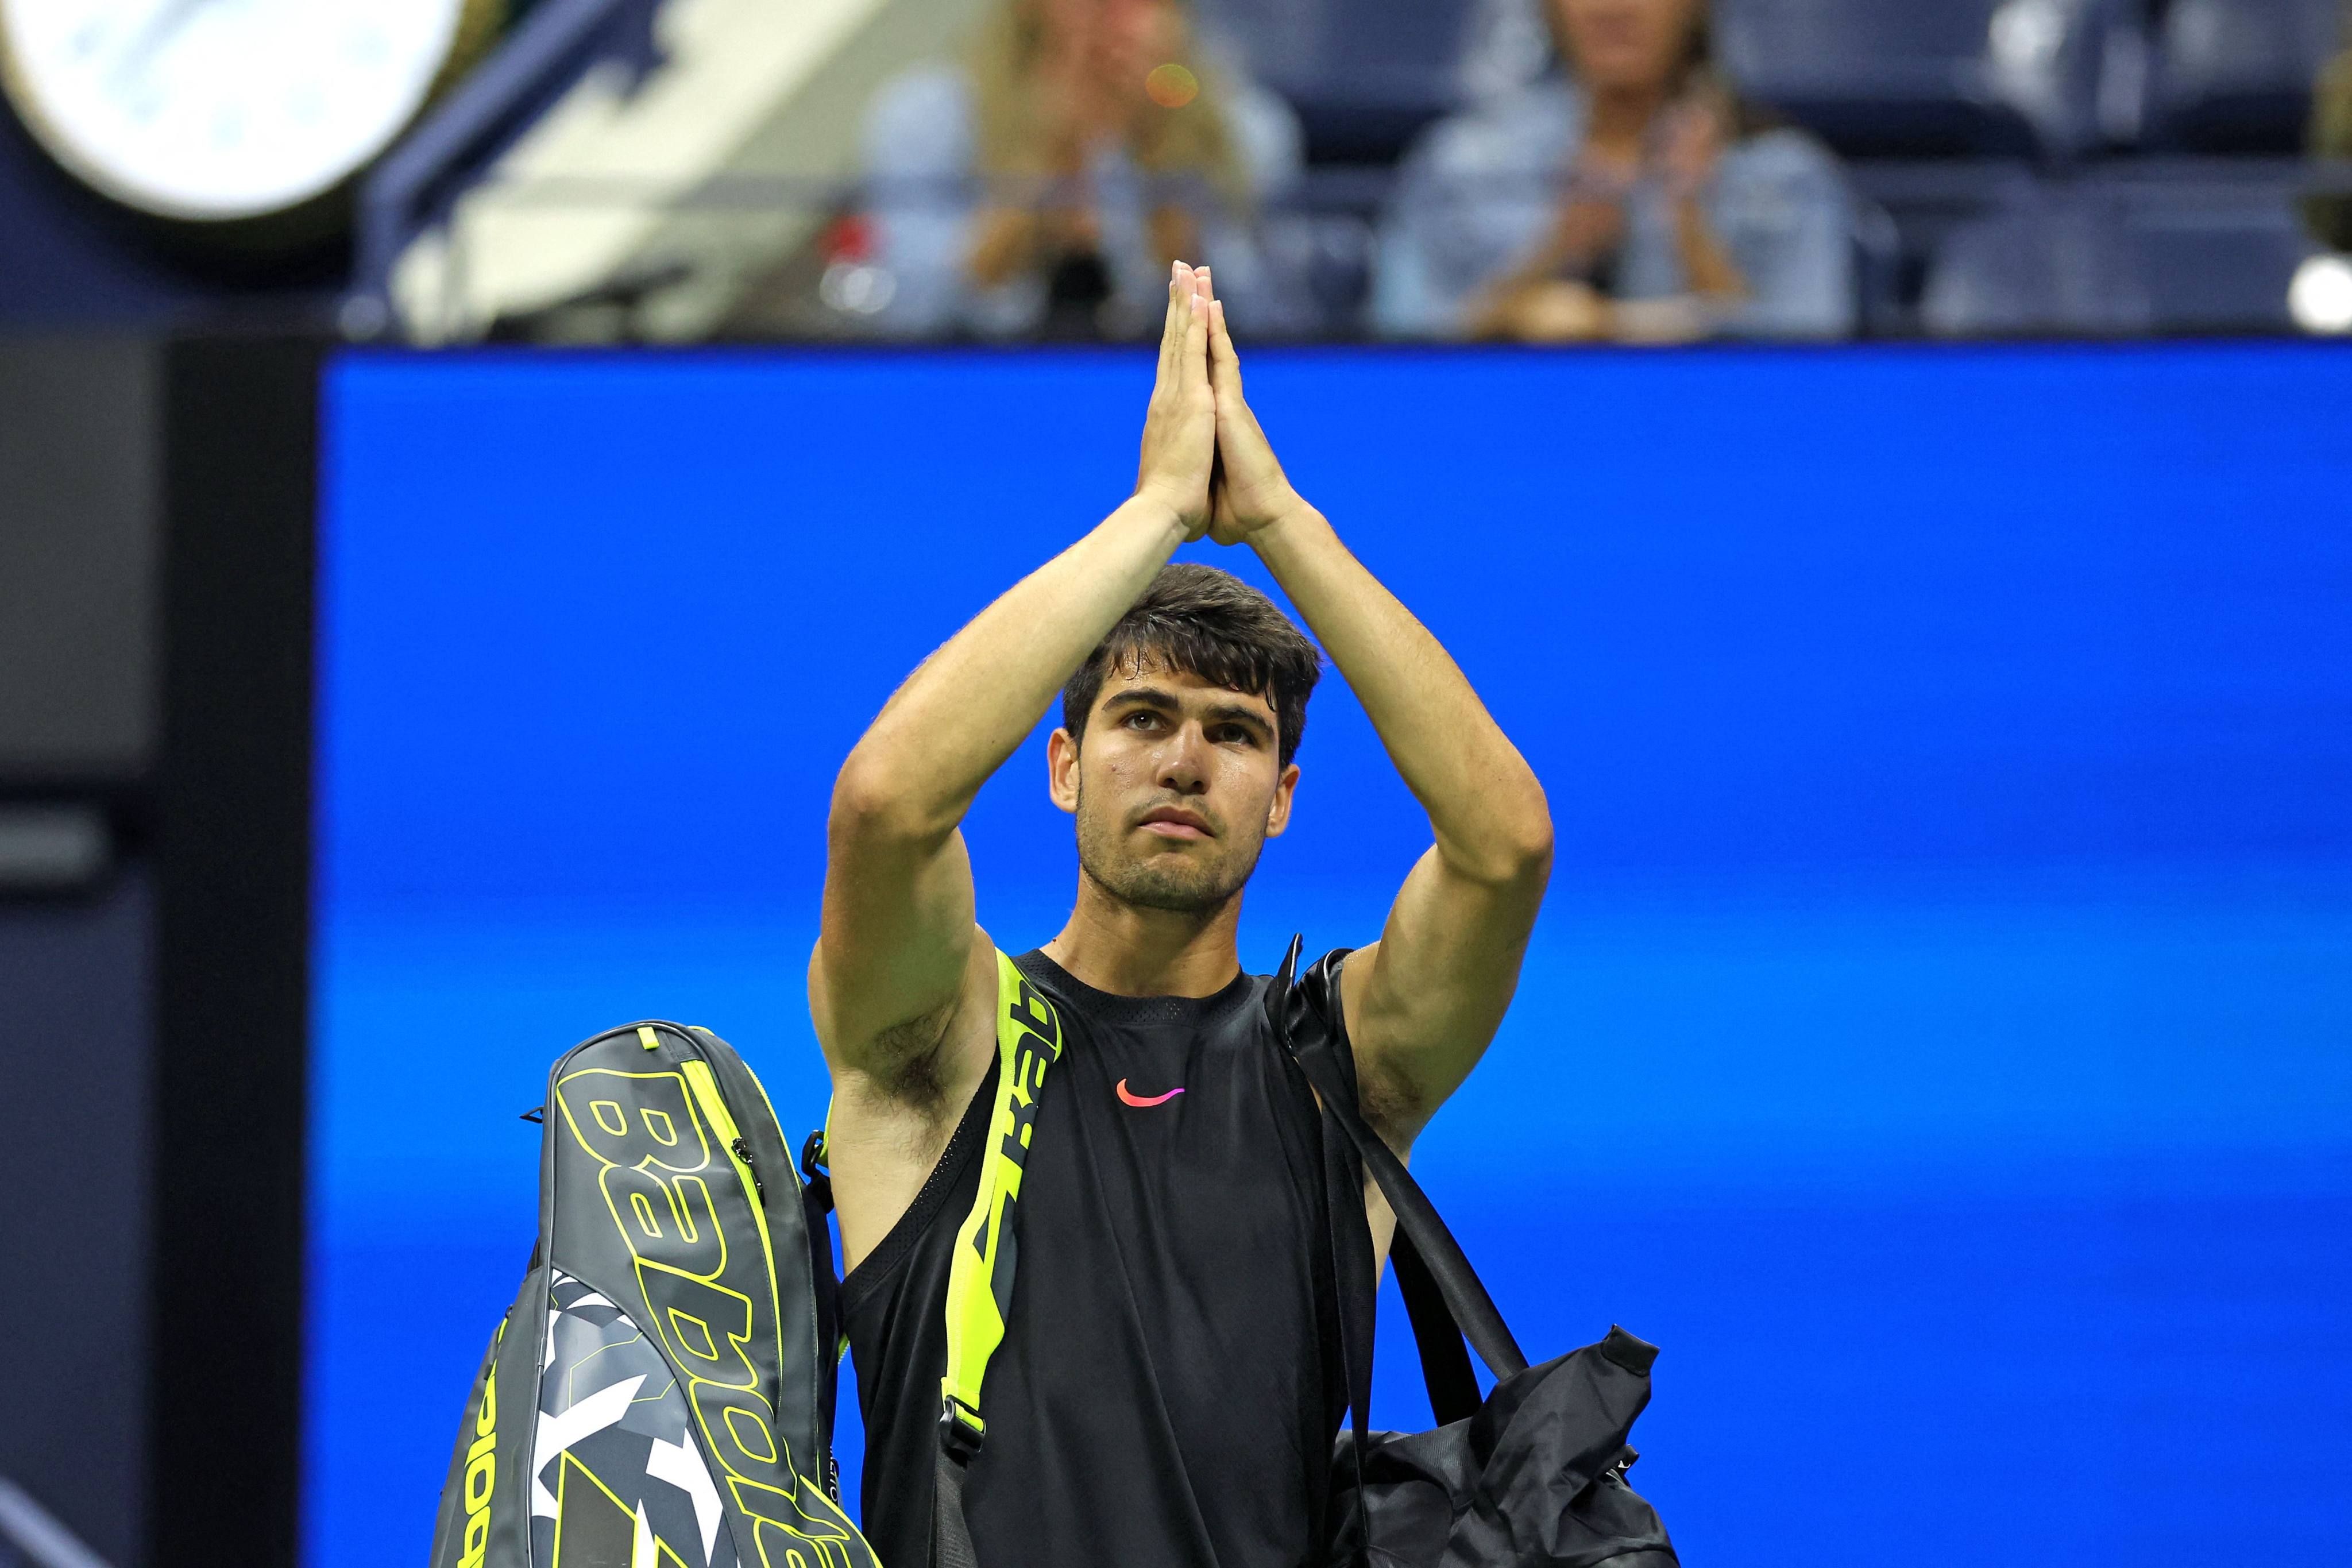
[1169,1382]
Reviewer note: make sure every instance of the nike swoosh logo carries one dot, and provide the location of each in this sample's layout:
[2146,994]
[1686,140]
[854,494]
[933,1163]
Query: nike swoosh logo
[1139,1101]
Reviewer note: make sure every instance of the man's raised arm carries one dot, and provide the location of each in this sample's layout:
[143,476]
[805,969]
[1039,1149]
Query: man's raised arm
[1423,1001]
[898,937]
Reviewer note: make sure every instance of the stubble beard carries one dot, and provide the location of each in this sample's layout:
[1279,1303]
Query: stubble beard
[1177,883]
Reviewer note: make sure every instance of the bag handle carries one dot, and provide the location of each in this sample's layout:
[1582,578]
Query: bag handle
[1443,1295]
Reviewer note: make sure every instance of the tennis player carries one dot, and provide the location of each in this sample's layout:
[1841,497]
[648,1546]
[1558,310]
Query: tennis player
[1170,1384]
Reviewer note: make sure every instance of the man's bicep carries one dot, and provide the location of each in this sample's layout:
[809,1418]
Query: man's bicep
[1423,1002]
[895,941]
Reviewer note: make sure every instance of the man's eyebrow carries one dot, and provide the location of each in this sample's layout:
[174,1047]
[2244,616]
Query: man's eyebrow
[1143,696]
[1234,714]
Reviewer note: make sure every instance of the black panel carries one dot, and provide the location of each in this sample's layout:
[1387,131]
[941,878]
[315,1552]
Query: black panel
[233,815]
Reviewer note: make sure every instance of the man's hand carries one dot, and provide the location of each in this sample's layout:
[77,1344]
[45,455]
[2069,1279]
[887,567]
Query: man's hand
[1179,429]
[1249,491]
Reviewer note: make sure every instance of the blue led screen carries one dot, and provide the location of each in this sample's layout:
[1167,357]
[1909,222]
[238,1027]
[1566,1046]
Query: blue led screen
[1938,1037]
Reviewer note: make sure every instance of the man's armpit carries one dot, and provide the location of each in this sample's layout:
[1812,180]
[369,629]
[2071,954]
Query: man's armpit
[1391,1100]
[1393,1106]
[909,1059]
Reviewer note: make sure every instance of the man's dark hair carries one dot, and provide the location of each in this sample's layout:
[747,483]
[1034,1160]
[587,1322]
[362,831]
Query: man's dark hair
[1196,620]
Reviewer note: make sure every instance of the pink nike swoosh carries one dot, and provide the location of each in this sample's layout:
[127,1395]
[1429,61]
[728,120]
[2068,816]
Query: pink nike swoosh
[1138,1100]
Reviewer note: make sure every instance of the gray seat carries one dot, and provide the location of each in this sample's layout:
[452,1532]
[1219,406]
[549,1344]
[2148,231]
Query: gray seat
[2215,258]
[1924,78]
[2048,268]
[1364,75]
[2235,76]
[2122,257]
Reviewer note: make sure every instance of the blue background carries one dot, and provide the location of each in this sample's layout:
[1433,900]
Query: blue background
[1938,1037]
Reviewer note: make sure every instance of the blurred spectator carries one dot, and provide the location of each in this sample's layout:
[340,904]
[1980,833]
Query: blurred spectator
[2330,215]
[1631,195]
[1042,186]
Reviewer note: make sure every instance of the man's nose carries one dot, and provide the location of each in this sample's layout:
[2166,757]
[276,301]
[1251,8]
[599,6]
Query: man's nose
[1183,763]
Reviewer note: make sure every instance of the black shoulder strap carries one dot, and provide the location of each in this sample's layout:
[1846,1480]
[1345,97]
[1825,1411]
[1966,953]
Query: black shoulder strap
[1442,1293]
[1353,1283]
[816,1204]
[1444,1358]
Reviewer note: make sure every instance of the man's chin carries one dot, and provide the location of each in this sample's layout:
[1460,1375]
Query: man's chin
[1187,891]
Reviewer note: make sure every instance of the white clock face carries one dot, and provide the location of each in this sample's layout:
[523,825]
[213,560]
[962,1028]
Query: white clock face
[221,109]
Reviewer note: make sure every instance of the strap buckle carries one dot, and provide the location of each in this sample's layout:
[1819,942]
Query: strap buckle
[961,1429]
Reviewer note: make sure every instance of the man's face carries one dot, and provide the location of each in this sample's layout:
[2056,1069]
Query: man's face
[1176,788]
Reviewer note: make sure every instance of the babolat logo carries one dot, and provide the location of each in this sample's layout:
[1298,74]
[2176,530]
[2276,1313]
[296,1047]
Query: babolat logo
[482,1469]
[708,1297]
[1038,1042]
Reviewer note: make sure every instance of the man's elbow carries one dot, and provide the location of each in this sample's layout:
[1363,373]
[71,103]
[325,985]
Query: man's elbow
[872,804]
[1524,837]
[1514,853]
[1527,852]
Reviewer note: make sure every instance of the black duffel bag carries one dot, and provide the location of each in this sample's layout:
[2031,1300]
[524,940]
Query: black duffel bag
[1532,1475]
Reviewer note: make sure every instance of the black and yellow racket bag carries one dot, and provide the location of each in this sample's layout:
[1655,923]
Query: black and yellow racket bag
[660,1394]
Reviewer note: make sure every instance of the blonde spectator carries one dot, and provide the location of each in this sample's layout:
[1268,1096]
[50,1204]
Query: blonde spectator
[1043,187]
[2330,215]
[1628,195]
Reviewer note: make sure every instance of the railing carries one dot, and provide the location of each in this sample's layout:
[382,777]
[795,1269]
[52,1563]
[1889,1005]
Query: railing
[414,188]
[35,1535]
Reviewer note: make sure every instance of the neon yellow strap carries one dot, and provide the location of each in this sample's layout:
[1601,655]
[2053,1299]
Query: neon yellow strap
[979,1281]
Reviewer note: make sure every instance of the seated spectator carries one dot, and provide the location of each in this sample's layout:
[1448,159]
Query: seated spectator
[1628,194]
[1043,187]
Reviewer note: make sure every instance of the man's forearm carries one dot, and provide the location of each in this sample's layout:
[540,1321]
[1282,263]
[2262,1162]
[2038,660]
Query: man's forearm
[1484,803]
[966,708]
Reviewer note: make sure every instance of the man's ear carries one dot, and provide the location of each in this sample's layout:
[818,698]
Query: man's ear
[1062,770]
[1277,816]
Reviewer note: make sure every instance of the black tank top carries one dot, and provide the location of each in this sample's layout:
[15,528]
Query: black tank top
[1171,1378]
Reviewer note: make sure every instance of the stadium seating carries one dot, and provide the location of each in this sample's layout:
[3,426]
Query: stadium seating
[2019,163]
[2235,76]
[2118,255]
[1924,78]
[2047,267]
[2214,256]
[1364,75]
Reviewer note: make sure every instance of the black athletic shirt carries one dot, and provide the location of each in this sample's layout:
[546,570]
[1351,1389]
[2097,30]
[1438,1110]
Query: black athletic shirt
[1169,1381]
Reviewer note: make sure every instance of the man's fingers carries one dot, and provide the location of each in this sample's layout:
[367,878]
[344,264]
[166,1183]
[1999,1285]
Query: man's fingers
[1172,330]
[1195,348]
[1225,364]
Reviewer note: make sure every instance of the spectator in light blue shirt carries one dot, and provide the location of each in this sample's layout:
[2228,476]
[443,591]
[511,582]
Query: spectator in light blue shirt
[1628,195]
[1041,186]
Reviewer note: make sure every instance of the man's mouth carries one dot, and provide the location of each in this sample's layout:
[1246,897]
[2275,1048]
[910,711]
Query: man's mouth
[1174,822]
